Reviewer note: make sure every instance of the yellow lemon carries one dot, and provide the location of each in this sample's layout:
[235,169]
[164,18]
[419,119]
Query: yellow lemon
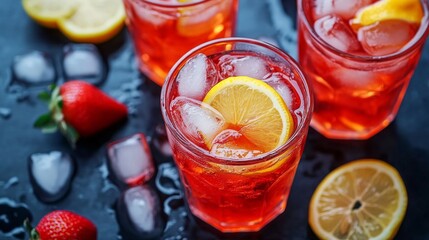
[407,10]
[254,108]
[364,199]
[94,21]
[48,12]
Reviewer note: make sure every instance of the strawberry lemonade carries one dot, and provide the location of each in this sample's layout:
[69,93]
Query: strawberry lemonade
[237,113]
[360,56]
[164,30]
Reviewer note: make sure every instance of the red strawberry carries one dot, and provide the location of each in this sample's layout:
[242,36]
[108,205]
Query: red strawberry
[63,225]
[78,108]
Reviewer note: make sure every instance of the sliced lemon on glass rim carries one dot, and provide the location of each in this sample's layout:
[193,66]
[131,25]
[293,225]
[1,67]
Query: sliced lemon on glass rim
[406,10]
[363,199]
[48,12]
[94,21]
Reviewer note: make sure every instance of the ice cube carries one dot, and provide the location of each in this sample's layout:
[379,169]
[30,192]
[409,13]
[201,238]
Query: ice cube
[51,174]
[355,79]
[198,121]
[167,180]
[130,160]
[83,62]
[385,37]
[232,144]
[146,13]
[337,33]
[251,66]
[343,8]
[138,213]
[201,19]
[196,77]
[282,84]
[34,68]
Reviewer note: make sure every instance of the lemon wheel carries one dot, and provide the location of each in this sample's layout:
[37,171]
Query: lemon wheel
[254,108]
[364,199]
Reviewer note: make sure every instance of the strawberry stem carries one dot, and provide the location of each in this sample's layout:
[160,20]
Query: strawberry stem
[54,120]
[34,235]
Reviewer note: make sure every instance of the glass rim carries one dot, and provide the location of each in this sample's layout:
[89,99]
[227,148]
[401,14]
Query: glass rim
[418,39]
[174,5]
[293,139]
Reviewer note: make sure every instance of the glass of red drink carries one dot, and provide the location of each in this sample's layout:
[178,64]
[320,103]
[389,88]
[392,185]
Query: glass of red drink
[236,187]
[360,72]
[164,30]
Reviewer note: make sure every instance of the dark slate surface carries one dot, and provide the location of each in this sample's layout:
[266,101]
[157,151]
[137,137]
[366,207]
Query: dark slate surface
[403,144]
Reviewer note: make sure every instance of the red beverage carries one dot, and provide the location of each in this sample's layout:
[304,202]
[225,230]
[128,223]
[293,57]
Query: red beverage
[359,72]
[231,180]
[164,30]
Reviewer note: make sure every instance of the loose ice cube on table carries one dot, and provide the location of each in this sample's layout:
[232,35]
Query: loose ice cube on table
[130,160]
[138,213]
[385,37]
[198,121]
[196,77]
[34,68]
[337,33]
[251,66]
[83,62]
[51,175]
[344,8]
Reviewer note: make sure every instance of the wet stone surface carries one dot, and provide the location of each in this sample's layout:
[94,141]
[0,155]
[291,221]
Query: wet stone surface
[113,68]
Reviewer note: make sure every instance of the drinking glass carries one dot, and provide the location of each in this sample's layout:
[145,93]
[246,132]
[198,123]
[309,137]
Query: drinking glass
[356,95]
[164,30]
[230,194]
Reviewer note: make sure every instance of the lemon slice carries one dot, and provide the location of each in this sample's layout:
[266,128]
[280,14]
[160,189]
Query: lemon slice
[48,12]
[407,10]
[364,199]
[253,108]
[94,21]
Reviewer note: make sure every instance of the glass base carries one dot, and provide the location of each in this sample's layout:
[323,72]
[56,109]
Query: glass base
[234,227]
[351,134]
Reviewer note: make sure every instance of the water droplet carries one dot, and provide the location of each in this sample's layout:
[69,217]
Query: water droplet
[9,183]
[5,113]
[12,216]
[167,180]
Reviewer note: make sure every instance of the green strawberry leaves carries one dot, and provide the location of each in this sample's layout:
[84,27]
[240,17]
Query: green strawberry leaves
[54,120]
[34,235]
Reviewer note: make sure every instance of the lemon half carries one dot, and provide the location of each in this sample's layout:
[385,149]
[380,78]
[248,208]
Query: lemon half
[364,199]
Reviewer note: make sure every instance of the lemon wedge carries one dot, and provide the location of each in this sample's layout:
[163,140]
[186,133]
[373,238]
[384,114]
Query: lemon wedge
[364,199]
[407,10]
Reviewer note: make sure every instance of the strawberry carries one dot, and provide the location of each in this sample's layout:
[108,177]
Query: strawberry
[79,109]
[63,225]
